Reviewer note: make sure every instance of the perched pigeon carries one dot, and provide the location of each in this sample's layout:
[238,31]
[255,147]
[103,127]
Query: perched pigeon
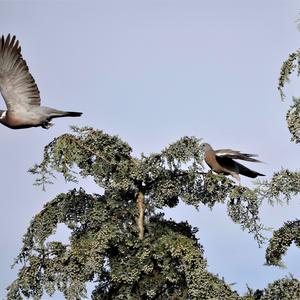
[20,92]
[222,161]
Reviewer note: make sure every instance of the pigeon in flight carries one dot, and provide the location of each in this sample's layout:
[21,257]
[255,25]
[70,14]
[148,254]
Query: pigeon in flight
[222,162]
[20,92]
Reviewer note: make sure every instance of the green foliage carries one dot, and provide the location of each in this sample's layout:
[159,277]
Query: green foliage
[293,120]
[292,63]
[167,262]
[293,114]
[282,187]
[103,247]
[285,288]
[165,178]
[281,241]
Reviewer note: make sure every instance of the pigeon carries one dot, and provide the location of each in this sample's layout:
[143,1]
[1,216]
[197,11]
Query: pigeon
[20,92]
[222,162]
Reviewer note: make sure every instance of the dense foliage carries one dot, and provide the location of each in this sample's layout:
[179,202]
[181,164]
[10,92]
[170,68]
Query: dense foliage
[118,238]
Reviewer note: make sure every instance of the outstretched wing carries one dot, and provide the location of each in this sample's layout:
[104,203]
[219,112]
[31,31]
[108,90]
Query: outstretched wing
[234,168]
[17,85]
[236,155]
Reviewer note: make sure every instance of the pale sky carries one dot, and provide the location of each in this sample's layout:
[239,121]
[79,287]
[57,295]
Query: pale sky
[152,72]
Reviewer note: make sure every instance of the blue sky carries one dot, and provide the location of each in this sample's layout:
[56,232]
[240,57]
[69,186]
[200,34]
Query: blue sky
[152,72]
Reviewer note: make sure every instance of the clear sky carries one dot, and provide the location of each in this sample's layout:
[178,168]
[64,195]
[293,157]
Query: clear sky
[152,72]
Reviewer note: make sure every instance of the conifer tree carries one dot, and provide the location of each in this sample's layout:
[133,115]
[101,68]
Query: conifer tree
[119,239]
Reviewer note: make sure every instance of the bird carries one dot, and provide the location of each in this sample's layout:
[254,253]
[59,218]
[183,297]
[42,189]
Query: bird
[222,162]
[20,92]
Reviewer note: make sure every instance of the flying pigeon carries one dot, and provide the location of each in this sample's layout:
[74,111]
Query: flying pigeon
[222,162]
[20,92]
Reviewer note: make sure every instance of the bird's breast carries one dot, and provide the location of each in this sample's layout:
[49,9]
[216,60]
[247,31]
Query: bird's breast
[16,121]
[211,160]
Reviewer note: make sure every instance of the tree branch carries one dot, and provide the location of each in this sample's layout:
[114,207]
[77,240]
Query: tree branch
[95,152]
[140,219]
[87,148]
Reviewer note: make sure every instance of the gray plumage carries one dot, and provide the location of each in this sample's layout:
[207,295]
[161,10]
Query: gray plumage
[20,92]
[222,162]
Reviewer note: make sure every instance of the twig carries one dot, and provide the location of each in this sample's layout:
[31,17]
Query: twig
[96,153]
[140,219]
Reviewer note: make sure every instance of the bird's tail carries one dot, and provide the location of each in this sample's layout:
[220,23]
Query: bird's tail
[72,114]
[248,172]
[59,114]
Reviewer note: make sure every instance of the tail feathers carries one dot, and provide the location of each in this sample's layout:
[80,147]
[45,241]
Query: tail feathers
[59,114]
[248,172]
[72,114]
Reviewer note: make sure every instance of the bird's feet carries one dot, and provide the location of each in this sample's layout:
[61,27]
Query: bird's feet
[47,125]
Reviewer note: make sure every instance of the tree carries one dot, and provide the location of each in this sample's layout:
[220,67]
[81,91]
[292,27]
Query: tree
[284,185]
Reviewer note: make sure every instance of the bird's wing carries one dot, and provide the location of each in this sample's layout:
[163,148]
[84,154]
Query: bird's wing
[227,163]
[233,168]
[229,166]
[236,155]
[17,85]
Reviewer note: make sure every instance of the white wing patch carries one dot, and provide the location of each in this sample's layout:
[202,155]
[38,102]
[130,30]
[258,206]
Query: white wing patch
[3,115]
[227,152]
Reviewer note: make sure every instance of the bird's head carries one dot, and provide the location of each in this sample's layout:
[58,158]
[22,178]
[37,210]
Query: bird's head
[206,147]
